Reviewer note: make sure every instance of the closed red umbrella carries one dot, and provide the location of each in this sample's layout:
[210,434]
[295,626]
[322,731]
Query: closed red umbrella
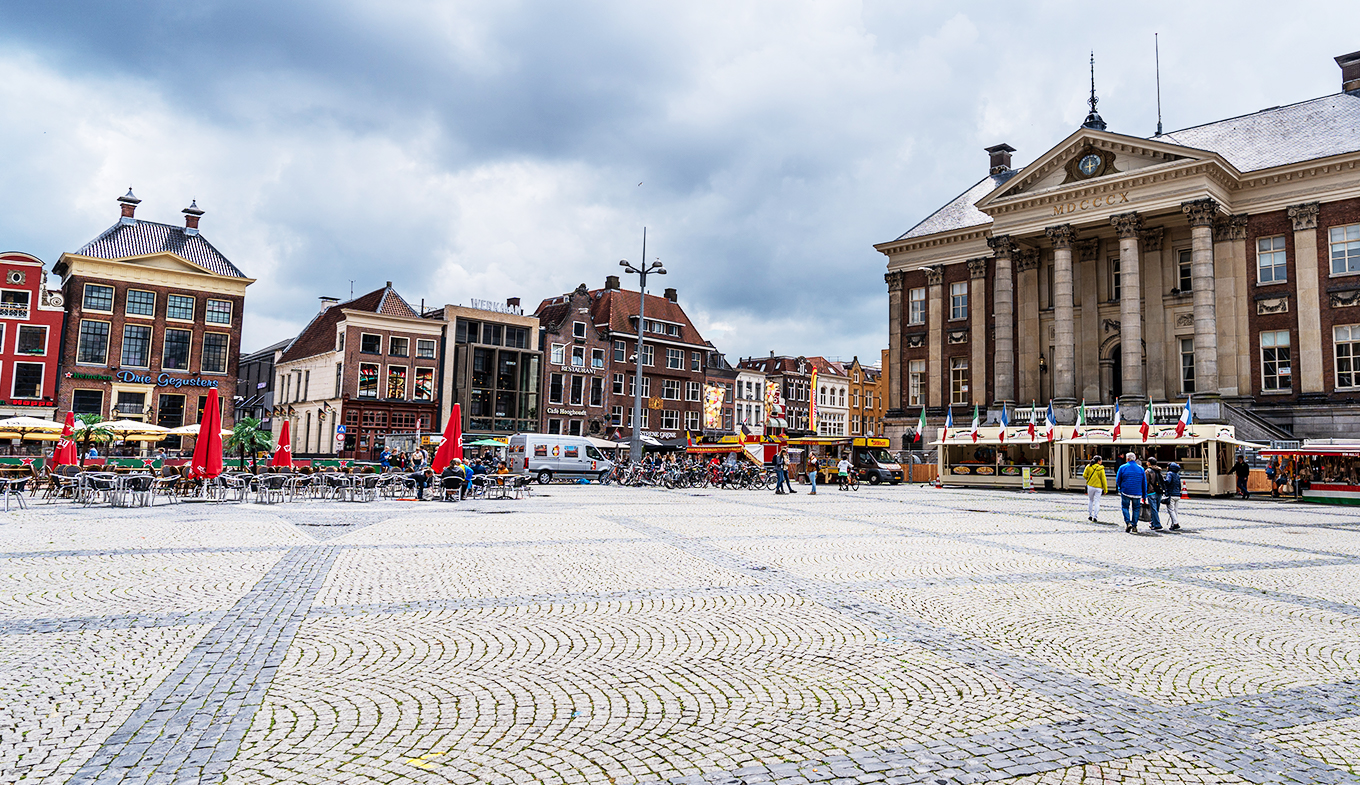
[65,454]
[283,454]
[452,446]
[208,450]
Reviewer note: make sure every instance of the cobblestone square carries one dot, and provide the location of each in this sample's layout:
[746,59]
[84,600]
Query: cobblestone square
[616,635]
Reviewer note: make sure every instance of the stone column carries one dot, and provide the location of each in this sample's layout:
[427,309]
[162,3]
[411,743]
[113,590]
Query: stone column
[935,377]
[1202,213]
[1154,313]
[1226,296]
[1027,284]
[1127,226]
[1003,312]
[1236,230]
[977,315]
[1309,297]
[1088,348]
[1064,336]
[895,281]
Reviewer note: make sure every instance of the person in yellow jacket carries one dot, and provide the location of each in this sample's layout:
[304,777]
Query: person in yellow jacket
[1096,484]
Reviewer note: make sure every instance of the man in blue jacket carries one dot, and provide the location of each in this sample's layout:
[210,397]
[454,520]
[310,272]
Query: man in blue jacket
[1132,485]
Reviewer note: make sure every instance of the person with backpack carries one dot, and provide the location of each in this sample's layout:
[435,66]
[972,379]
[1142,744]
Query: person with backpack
[1173,494]
[1131,483]
[1153,473]
[1096,485]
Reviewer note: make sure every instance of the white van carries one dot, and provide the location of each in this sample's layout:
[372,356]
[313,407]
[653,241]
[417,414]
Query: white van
[550,456]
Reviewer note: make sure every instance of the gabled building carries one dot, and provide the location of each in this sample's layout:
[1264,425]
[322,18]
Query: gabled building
[1220,262]
[866,399]
[359,371]
[153,322]
[30,336]
[590,339]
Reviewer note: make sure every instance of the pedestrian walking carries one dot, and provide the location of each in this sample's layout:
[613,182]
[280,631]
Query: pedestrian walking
[1271,472]
[1243,471]
[1132,486]
[1173,494]
[1097,484]
[813,465]
[843,473]
[781,473]
[1153,474]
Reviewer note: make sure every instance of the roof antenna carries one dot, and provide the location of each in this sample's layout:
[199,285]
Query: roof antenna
[1093,120]
[351,288]
[1157,58]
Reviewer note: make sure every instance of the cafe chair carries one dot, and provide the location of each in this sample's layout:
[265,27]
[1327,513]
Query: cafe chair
[15,489]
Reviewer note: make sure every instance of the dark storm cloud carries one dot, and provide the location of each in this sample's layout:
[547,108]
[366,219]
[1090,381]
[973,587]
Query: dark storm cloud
[495,149]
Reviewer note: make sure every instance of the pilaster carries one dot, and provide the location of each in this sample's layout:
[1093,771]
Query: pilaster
[1027,286]
[1154,313]
[1088,345]
[937,384]
[896,281]
[1128,226]
[1064,337]
[1227,296]
[977,316]
[1307,286]
[1201,214]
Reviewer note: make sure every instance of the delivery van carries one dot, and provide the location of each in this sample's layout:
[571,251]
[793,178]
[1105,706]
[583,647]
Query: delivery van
[551,457]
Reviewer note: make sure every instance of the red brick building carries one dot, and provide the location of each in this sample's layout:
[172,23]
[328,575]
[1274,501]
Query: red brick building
[153,322]
[590,343]
[30,337]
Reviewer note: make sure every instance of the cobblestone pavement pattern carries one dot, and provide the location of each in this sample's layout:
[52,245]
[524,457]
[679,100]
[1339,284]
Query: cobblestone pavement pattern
[608,635]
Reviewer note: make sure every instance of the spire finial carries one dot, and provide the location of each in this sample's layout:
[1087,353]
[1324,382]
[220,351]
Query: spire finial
[1093,120]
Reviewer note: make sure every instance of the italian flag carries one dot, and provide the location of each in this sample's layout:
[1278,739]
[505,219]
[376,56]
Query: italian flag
[921,427]
[1147,421]
[1081,419]
[1032,406]
[974,430]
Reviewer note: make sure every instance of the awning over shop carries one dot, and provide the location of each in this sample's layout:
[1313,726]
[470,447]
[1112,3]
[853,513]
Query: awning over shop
[1332,450]
[778,422]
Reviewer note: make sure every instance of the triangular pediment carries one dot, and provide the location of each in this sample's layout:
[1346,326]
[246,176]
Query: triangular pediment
[1090,156]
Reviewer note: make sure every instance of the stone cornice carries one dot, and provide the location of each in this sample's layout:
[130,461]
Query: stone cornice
[1056,158]
[895,280]
[980,232]
[1179,170]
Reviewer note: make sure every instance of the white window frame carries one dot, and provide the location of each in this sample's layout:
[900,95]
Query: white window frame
[359,388]
[113,300]
[391,352]
[578,329]
[694,391]
[1269,341]
[127,304]
[1347,335]
[165,344]
[378,353]
[597,358]
[578,356]
[14,378]
[422,344]
[207,311]
[19,329]
[670,419]
[675,359]
[619,381]
[1348,237]
[691,421]
[916,306]
[557,354]
[958,301]
[696,361]
[193,308]
[150,343]
[648,355]
[616,417]
[1274,251]
[1185,261]
[670,389]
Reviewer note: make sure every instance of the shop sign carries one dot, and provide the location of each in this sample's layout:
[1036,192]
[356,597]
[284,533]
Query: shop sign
[567,412]
[41,402]
[164,380]
[93,377]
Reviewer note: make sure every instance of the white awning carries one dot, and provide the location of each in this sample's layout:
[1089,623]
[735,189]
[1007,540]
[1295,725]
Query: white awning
[778,422]
[604,443]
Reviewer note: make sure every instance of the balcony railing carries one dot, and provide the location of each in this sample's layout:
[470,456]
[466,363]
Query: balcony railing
[13,310]
[1103,414]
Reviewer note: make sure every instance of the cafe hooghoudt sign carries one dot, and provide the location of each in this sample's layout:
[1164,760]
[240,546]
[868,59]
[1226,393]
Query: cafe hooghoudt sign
[164,380]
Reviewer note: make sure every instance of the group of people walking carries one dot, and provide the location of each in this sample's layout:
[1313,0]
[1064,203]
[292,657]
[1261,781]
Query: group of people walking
[1138,486]
[781,469]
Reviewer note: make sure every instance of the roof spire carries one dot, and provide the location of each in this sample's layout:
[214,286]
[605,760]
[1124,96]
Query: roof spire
[1093,120]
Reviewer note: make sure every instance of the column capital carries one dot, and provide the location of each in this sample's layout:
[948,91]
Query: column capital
[1231,227]
[1026,259]
[934,275]
[1201,212]
[1002,247]
[1152,239]
[1088,250]
[1127,225]
[896,280]
[1304,216]
[1062,236]
[977,268]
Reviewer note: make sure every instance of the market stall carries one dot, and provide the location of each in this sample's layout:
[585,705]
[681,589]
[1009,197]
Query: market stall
[1204,451]
[991,461]
[1324,473]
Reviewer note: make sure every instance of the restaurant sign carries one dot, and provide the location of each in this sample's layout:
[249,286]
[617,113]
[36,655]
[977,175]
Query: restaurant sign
[164,380]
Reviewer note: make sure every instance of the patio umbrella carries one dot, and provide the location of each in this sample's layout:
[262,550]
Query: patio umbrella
[190,430]
[207,461]
[283,456]
[26,425]
[129,430]
[452,446]
[65,454]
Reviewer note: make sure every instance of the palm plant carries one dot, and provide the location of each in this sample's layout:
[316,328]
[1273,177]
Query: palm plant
[90,431]
[246,436]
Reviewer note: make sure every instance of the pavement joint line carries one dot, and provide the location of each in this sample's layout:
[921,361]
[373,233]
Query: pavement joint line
[118,622]
[186,709]
[1104,706]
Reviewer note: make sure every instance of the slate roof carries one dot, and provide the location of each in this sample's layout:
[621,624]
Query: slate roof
[612,309]
[1277,136]
[147,237]
[960,213]
[319,334]
[786,364]
[1280,135]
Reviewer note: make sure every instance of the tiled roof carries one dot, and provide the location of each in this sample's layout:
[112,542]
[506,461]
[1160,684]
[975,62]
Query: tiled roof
[1280,135]
[788,364]
[614,307]
[961,213]
[319,335]
[146,237]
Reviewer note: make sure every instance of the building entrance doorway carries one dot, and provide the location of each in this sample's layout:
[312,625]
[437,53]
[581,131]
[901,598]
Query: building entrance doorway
[1117,378]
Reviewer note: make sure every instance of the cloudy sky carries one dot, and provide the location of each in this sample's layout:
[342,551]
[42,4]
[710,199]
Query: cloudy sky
[495,149]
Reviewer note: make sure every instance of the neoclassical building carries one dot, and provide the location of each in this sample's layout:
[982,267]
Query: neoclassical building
[1221,261]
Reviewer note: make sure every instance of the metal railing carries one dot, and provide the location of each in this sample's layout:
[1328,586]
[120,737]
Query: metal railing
[13,310]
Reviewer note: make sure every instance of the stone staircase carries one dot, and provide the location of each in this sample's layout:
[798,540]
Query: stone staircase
[1252,427]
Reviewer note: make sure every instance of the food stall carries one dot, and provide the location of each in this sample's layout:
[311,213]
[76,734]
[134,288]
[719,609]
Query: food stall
[991,461]
[1204,451]
[1327,473]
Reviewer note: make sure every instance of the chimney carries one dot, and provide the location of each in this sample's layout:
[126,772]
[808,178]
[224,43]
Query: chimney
[389,284]
[327,302]
[671,295]
[1350,72]
[512,302]
[128,203]
[611,282]
[1001,158]
[191,216]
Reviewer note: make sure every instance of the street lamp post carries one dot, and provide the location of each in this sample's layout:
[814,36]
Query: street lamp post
[635,442]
